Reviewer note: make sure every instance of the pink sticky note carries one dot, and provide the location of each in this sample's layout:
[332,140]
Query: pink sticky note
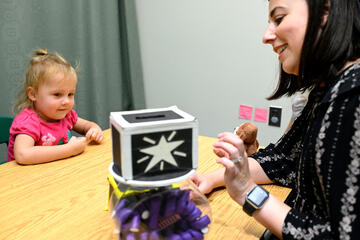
[245,112]
[261,115]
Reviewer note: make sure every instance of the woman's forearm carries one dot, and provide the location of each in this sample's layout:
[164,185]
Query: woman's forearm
[257,173]
[272,215]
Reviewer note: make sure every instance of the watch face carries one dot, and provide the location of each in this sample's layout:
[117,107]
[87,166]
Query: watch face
[257,196]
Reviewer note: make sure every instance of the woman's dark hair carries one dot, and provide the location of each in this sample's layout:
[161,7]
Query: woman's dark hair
[325,52]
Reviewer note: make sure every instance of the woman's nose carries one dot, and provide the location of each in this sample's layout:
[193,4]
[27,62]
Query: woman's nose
[269,34]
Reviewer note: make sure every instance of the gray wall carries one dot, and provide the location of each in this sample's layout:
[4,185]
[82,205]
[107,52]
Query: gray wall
[207,57]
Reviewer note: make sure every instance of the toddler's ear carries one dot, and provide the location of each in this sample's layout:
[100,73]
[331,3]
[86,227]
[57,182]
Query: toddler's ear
[31,93]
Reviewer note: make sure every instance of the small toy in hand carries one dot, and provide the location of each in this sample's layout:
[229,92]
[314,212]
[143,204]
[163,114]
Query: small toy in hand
[160,213]
[248,133]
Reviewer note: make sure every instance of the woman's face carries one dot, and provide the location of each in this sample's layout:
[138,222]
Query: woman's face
[286,31]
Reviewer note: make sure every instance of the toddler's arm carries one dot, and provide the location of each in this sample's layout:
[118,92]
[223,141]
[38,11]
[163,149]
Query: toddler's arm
[91,130]
[206,182]
[26,153]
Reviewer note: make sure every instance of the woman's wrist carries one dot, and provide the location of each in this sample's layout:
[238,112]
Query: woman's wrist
[247,189]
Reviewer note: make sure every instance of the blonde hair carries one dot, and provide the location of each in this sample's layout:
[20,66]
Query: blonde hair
[41,65]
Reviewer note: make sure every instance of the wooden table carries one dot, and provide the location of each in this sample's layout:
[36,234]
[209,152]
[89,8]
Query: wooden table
[66,199]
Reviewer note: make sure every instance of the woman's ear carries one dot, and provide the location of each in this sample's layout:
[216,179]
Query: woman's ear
[325,14]
[31,93]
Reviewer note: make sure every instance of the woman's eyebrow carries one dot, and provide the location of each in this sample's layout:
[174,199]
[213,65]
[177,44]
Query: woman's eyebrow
[274,10]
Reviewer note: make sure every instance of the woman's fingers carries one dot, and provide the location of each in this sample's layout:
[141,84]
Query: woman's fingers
[225,134]
[220,152]
[232,151]
[232,139]
[228,164]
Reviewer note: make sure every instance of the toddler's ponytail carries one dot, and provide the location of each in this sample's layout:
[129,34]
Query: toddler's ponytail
[41,52]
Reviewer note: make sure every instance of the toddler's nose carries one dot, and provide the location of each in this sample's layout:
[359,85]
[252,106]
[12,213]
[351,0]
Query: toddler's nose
[66,101]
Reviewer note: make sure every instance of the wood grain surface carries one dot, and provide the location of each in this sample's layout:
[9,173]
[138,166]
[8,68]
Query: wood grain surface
[66,199]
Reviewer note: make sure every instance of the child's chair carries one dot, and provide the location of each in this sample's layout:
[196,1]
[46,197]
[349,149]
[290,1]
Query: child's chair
[5,124]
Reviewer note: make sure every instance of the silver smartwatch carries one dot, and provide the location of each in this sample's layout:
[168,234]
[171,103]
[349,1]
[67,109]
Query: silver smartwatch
[255,199]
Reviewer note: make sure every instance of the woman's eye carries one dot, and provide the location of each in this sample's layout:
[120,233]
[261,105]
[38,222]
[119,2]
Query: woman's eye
[278,19]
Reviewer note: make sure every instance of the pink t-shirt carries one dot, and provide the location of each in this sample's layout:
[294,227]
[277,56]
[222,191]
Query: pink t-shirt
[44,133]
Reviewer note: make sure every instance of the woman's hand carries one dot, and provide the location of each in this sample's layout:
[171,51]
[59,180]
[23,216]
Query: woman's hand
[237,175]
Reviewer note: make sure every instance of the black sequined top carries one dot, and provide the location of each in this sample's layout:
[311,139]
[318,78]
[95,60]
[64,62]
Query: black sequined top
[319,158]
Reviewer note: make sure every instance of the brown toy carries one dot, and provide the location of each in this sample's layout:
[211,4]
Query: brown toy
[248,133]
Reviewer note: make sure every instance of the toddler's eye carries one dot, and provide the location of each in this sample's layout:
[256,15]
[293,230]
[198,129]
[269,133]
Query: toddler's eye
[57,94]
[71,94]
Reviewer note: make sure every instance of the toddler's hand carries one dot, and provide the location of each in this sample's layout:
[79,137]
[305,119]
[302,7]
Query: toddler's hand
[95,134]
[78,144]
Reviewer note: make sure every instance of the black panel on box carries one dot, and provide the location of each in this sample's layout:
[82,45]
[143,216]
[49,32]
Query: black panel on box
[161,155]
[275,116]
[151,116]
[116,148]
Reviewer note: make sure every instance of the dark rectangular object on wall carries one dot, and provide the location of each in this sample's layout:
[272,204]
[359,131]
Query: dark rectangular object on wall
[275,116]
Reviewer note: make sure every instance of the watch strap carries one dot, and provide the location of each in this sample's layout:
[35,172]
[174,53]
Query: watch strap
[248,208]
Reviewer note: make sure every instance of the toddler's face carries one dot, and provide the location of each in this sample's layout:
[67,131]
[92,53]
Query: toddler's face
[55,97]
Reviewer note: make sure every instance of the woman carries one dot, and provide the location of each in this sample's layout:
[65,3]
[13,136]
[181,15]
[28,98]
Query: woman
[318,44]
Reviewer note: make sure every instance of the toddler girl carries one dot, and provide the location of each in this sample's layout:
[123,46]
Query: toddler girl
[41,132]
